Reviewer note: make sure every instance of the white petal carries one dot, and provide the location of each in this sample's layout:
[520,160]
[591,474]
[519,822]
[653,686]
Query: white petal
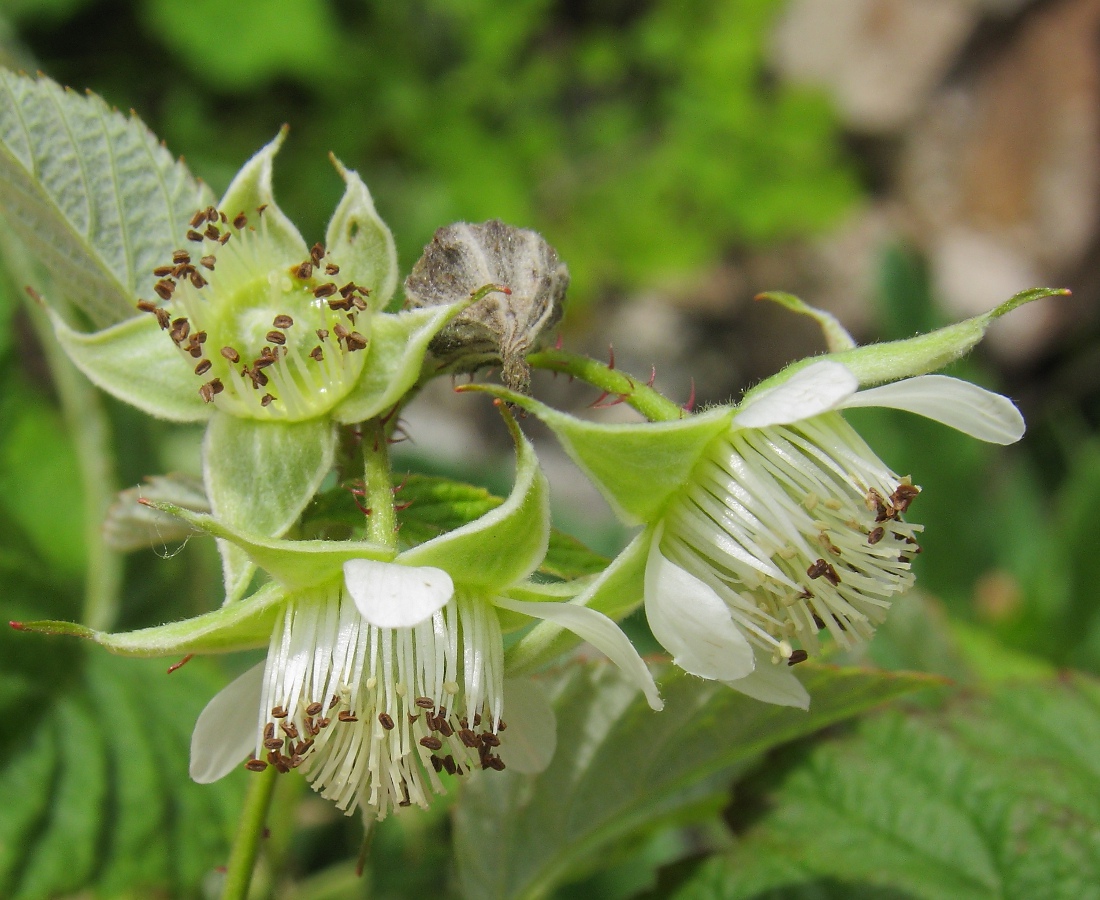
[964,406]
[226,730]
[692,622]
[773,683]
[600,631]
[811,391]
[389,595]
[532,736]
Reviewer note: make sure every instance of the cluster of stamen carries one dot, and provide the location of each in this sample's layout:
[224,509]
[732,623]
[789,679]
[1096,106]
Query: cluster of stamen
[374,716]
[797,528]
[276,373]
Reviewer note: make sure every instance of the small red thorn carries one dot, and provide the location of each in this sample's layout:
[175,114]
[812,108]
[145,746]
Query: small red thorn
[172,668]
[619,399]
[595,404]
[34,295]
[18,626]
[144,501]
[401,507]
[497,402]
[690,405]
[401,486]
[557,343]
[611,354]
[652,376]
[504,289]
[760,296]
[388,415]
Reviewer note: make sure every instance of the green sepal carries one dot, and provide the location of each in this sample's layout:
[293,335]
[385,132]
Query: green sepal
[637,467]
[239,626]
[135,362]
[616,592]
[360,241]
[251,189]
[506,544]
[877,363]
[398,344]
[836,335]
[294,564]
[260,476]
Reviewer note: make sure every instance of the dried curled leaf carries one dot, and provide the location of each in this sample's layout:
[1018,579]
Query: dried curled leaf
[501,328]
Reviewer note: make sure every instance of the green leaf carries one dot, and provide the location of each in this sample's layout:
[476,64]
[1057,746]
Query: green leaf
[994,796]
[260,476]
[96,792]
[359,239]
[395,357]
[136,362]
[626,769]
[40,481]
[92,194]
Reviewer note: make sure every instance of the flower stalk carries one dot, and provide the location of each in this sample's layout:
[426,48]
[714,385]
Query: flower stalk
[246,843]
[651,403]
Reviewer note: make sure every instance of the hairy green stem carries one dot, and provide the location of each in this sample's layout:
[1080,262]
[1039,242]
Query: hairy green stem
[382,524]
[652,404]
[246,844]
[90,431]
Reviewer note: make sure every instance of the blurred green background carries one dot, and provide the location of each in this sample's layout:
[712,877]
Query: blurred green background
[661,148]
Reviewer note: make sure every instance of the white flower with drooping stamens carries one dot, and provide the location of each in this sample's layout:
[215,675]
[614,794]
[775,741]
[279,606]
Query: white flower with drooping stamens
[384,669]
[772,521]
[373,715]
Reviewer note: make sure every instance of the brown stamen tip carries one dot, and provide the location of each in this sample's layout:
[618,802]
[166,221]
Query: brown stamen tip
[266,400]
[240,220]
[197,218]
[208,262]
[317,253]
[332,269]
[197,280]
[283,321]
[317,353]
[224,239]
[303,271]
[260,209]
[314,708]
[203,367]
[876,535]
[211,214]
[796,657]
[278,712]
[255,765]
[324,290]
[211,389]
[163,271]
[180,257]
[355,341]
[212,232]
[164,288]
[276,337]
[183,662]
[229,353]
[385,721]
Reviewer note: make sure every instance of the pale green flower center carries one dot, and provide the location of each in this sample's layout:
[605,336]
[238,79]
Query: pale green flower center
[798,528]
[269,337]
[374,716]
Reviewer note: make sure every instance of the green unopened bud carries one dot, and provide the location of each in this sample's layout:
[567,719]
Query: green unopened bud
[502,327]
